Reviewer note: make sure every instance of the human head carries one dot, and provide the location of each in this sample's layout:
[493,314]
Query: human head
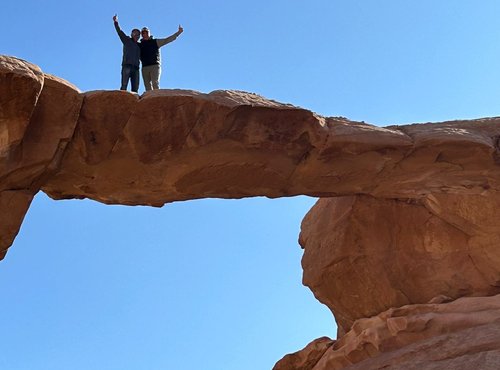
[135,34]
[145,33]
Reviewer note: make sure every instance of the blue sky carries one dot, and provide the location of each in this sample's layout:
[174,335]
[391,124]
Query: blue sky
[216,284]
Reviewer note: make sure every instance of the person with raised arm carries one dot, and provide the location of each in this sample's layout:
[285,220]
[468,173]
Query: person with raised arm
[131,57]
[150,57]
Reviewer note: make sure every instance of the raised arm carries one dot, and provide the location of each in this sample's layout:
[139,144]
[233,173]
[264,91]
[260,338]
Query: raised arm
[121,34]
[161,42]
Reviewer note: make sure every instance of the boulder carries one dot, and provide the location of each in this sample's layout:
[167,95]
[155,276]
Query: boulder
[364,255]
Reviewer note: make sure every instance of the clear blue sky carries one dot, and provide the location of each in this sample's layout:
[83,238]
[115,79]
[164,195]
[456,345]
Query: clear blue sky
[215,284]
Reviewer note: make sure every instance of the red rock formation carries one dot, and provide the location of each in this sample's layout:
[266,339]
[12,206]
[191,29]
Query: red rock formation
[307,358]
[461,335]
[178,145]
[13,206]
[21,84]
[35,126]
[411,214]
[364,255]
[174,145]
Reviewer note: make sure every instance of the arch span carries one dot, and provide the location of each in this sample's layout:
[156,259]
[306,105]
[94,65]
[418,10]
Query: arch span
[422,197]
[168,145]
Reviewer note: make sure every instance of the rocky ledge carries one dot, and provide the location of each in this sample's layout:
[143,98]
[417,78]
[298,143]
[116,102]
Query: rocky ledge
[407,213]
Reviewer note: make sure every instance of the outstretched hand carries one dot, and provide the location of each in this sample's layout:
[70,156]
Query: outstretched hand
[115,18]
[181,30]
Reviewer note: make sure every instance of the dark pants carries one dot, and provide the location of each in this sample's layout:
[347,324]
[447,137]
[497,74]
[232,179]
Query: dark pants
[132,73]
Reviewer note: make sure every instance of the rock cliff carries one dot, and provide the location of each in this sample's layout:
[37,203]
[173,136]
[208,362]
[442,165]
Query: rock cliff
[406,225]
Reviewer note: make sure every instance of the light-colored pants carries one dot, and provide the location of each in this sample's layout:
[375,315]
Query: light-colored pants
[151,77]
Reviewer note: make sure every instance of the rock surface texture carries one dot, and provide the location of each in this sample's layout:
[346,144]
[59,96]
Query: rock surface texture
[364,255]
[461,335]
[403,245]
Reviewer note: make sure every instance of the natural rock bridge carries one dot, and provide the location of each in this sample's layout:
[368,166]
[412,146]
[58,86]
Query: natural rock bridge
[407,222]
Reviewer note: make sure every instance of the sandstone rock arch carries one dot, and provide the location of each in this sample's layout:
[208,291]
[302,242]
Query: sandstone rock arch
[408,212]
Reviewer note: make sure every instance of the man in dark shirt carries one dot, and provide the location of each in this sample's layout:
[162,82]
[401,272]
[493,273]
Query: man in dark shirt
[131,57]
[150,57]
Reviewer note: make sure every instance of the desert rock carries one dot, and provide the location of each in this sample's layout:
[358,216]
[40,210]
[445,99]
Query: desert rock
[179,145]
[462,335]
[364,255]
[307,358]
[408,214]
[37,119]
